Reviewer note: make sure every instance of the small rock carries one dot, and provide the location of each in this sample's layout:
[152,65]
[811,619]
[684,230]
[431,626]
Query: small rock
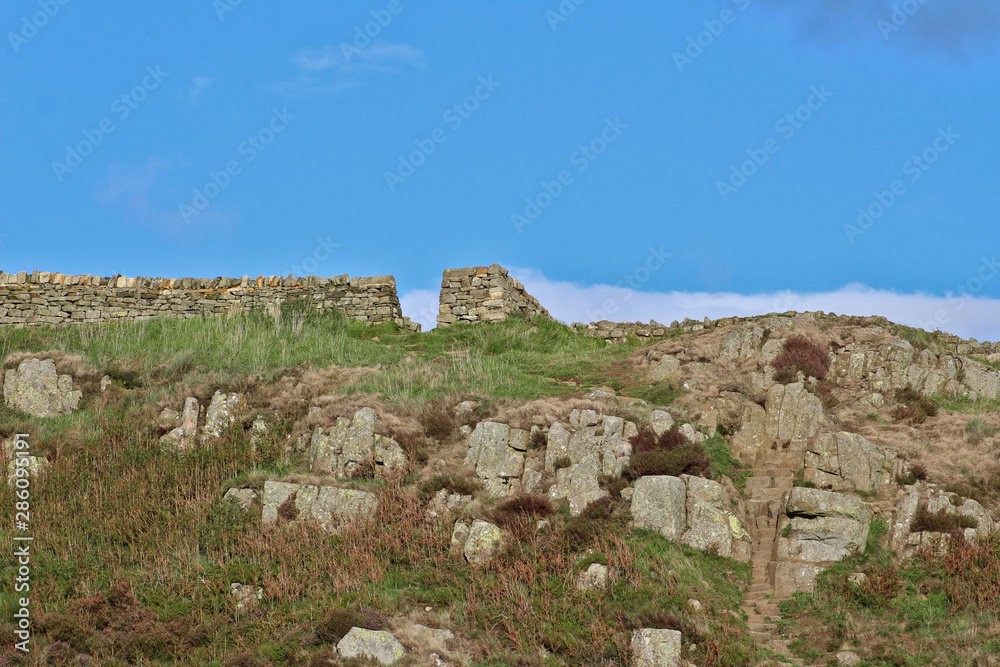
[372,644]
[848,659]
[594,578]
[857,579]
[600,393]
[627,493]
[695,605]
[247,597]
[245,498]
[105,383]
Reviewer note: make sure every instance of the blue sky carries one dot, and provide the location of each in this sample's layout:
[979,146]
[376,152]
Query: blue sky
[634,160]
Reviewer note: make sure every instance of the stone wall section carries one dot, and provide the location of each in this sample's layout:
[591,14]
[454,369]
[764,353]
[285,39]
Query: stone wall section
[484,294]
[31,299]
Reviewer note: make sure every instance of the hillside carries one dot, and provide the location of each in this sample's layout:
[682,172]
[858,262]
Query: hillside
[244,490]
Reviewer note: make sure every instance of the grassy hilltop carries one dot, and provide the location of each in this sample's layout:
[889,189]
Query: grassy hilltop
[135,550]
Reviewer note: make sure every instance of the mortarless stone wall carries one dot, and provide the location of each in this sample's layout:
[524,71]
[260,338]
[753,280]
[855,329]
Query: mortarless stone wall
[484,294]
[53,298]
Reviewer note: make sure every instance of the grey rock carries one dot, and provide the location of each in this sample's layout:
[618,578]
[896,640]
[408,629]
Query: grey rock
[848,462]
[221,414]
[349,443]
[593,579]
[848,659]
[372,644]
[329,506]
[37,389]
[661,421]
[654,647]
[495,461]
[484,540]
[825,526]
[245,498]
[711,523]
[247,597]
[666,368]
[659,503]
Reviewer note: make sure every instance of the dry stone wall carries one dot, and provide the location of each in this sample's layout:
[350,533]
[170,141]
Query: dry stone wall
[484,294]
[54,298]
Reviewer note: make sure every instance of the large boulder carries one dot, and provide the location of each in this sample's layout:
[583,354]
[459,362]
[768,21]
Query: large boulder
[659,503]
[793,414]
[347,445]
[330,506]
[823,526]
[182,436]
[653,647]
[371,644]
[712,525]
[37,389]
[848,462]
[483,541]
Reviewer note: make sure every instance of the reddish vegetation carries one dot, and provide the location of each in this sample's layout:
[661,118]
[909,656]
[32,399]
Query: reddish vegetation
[669,454]
[800,354]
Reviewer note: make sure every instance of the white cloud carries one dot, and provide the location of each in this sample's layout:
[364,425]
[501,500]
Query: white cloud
[198,85]
[331,69]
[967,316]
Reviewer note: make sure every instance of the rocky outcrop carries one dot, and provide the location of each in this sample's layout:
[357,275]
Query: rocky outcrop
[246,598]
[593,579]
[848,462]
[372,645]
[37,389]
[907,541]
[497,453]
[692,510]
[583,450]
[245,498]
[352,442]
[897,364]
[653,647]
[791,416]
[818,528]
[183,426]
[221,414]
[445,503]
[330,506]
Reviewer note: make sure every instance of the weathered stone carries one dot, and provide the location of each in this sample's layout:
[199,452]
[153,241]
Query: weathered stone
[711,524]
[825,526]
[848,659]
[666,369]
[848,462]
[593,579]
[492,457]
[793,414]
[221,414]
[245,498]
[372,644]
[484,540]
[247,597]
[37,389]
[661,421]
[329,506]
[350,443]
[659,503]
[653,647]
[742,342]
[791,577]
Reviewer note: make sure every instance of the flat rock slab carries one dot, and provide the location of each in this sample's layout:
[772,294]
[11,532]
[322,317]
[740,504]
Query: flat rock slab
[37,389]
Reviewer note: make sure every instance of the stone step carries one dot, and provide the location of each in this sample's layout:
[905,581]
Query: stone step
[783,482]
[761,626]
[768,608]
[761,587]
[767,494]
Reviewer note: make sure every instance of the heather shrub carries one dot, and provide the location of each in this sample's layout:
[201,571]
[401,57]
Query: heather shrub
[800,354]
[940,522]
[669,454]
[453,482]
[338,622]
[913,406]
